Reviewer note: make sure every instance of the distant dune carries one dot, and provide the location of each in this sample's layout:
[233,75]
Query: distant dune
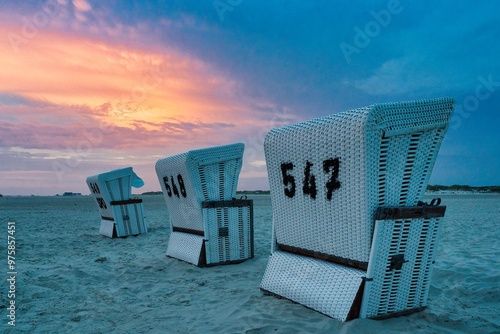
[463,188]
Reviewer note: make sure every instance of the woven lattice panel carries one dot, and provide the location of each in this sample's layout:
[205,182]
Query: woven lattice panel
[328,175]
[190,178]
[185,246]
[129,219]
[107,228]
[183,205]
[229,234]
[116,185]
[216,170]
[323,286]
[110,186]
[400,267]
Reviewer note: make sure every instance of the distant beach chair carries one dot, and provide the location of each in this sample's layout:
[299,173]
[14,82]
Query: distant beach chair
[121,215]
[351,237]
[209,226]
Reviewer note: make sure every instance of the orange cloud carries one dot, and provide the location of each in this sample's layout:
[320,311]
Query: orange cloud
[136,84]
[82,5]
[75,105]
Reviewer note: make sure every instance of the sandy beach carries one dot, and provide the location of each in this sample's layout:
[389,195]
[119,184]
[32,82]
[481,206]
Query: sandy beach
[70,279]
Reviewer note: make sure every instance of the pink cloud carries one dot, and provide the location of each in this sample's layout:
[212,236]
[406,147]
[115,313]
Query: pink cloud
[82,5]
[148,96]
[68,97]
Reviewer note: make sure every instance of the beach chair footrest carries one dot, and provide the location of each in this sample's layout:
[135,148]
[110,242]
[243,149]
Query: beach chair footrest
[329,288]
[185,246]
[108,228]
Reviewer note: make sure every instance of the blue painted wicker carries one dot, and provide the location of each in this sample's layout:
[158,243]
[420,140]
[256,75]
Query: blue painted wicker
[120,214]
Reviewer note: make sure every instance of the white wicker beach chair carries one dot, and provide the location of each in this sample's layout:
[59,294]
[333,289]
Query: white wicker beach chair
[350,235]
[121,215]
[209,226]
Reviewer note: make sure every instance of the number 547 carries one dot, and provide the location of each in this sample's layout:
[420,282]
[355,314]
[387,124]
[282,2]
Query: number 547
[330,166]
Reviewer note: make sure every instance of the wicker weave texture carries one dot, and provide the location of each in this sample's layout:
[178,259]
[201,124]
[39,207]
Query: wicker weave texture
[208,175]
[107,228]
[184,211]
[217,170]
[117,185]
[190,178]
[325,287]
[111,186]
[328,175]
[228,232]
[391,288]
[185,246]
[129,219]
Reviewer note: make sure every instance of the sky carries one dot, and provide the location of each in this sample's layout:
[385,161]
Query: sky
[91,86]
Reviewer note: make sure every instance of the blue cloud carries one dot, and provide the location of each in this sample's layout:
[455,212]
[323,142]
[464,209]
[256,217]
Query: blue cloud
[8,99]
[289,54]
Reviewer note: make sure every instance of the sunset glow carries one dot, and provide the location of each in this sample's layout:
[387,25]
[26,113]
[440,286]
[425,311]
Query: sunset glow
[89,86]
